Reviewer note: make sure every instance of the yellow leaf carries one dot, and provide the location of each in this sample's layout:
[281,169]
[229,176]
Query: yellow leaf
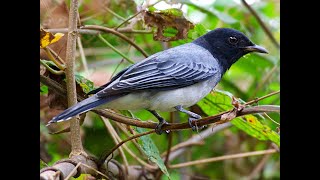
[47,38]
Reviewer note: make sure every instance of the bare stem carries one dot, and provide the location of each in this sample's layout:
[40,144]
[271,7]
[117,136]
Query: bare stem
[96,32]
[83,56]
[76,143]
[112,31]
[220,158]
[263,97]
[113,134]
[262,24]
[101,161]
[115,49]
[50,69]
[53,59]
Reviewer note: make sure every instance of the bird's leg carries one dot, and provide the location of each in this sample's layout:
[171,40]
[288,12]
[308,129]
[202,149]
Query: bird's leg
[192,116]
[161,122]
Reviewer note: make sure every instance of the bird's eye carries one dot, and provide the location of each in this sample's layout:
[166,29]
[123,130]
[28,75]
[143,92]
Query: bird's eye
[233,40]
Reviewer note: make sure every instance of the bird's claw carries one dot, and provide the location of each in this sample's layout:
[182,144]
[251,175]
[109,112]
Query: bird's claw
[159,127]
[195,127]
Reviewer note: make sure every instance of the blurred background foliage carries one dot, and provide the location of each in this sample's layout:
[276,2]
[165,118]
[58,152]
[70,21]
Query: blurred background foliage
[253,76]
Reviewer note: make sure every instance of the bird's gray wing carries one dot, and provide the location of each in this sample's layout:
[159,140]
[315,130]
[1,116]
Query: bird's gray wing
[111,80]
[160,74]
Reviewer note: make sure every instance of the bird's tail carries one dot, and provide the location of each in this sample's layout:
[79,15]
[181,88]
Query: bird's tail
[81,107]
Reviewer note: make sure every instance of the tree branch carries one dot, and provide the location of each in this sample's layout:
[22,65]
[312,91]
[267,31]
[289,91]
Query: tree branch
[108,30]
[220,158]
[76,143]
[96,32]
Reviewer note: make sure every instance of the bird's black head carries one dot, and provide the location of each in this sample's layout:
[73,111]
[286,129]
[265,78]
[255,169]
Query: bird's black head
[228,45]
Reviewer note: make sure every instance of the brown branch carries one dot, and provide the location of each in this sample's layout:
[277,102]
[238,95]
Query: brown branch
[76,143]
[262,24]
[220,158]
[108,30]
[96,32]
[104,157]
[182,147]
[113,134]
[259,167]
[260,98]
[172,126]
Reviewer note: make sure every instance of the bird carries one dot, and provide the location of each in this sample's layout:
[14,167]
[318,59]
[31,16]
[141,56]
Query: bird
[170,80]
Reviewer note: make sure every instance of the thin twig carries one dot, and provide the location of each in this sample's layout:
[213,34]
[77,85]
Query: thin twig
[113,13]
[263,97]
[73,171]
[56,55]
[113,134]
[128,19]
[259,167]
[143,163]
[83,56]
[108,30]
[220,158]
[122,142]
[263,81]
[120,126]
[50,69]
[95,170]
[96,32]
[265,114]
[115,49]
[53,59]
[262,24]
[137,13]
[183,145]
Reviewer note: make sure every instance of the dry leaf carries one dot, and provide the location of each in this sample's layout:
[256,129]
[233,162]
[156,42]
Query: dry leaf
[47,38]
[229,116]
[168,18]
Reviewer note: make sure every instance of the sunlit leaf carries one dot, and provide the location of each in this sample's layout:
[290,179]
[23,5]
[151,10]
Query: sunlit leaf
[84,83]
[252,126]
[151,150]
[43,89]
[47,38]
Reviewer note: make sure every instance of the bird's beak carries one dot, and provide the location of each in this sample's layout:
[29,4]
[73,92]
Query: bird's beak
[255,48]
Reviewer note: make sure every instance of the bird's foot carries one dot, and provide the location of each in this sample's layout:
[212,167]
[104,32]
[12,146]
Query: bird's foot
[159,127]
[195,127]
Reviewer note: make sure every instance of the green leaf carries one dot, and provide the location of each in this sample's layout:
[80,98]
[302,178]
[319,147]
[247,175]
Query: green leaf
[43,89]
[172,12]
[198,31]
[252,126]
[151,150]
[85,84]
[220,101]
[152,9]
[212,11]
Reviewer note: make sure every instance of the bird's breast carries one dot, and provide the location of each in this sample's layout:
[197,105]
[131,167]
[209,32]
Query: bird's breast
[187,96]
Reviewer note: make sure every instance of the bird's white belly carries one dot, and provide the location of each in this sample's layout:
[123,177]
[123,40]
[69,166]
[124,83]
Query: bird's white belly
[164,100]
[187,96]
